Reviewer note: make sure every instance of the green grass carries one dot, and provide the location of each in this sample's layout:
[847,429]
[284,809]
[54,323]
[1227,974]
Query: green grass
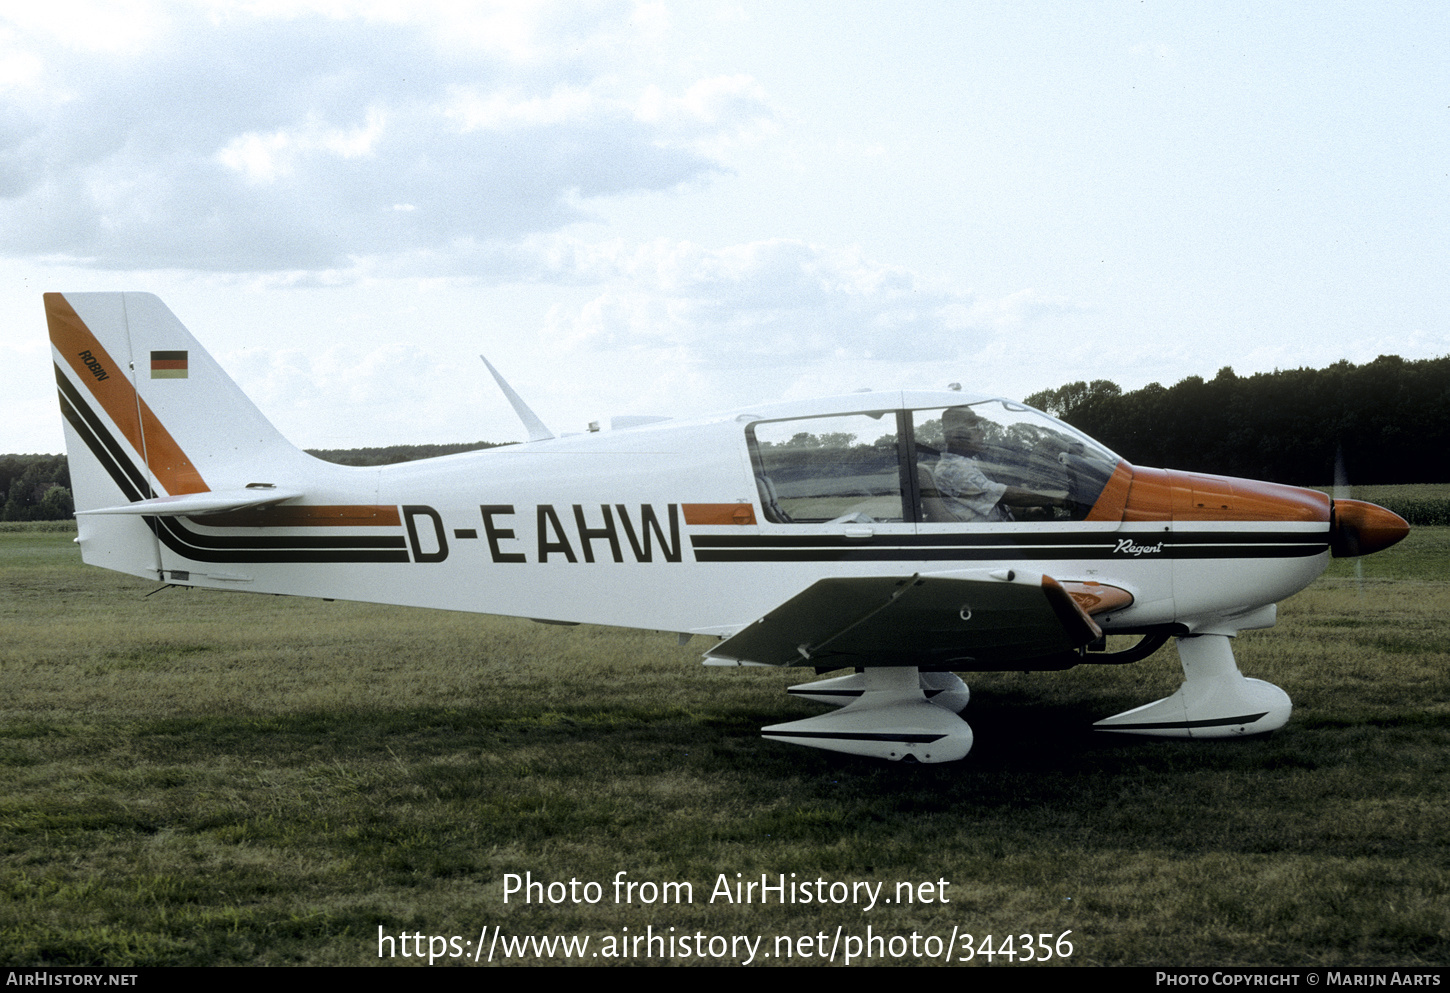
[198,778]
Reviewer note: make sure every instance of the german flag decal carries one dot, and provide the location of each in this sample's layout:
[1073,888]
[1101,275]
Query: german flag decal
[168,365]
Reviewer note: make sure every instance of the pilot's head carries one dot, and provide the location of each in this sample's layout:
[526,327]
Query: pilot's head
[962,428]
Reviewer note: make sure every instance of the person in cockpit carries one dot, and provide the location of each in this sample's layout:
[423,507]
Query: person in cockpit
[963,489]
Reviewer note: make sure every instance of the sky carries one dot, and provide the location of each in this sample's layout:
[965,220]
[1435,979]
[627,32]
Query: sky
[671,208]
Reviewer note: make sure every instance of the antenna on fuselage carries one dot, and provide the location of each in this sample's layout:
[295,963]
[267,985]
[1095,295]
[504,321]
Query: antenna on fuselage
[532,424]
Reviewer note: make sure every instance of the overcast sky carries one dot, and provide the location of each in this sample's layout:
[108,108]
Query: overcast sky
[670,208]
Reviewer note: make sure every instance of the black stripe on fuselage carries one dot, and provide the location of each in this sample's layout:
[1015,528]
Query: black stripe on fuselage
[202,547]
[267,548]
[1007,546]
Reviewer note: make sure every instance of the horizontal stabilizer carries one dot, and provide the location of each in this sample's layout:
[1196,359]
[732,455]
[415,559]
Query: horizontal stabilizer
[194,504]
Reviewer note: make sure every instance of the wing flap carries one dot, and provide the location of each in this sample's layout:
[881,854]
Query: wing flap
[982,621]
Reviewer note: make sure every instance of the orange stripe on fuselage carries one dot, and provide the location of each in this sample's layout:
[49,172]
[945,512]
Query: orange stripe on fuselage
[118,398]
[719,513]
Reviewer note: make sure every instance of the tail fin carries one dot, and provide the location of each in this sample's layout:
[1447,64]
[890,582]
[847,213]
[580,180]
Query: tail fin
[154,426]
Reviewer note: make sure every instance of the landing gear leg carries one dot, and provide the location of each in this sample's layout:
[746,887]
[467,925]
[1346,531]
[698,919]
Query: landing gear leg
[1215,700]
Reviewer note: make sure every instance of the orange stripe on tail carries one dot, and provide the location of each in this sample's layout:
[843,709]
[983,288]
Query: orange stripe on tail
[109,382]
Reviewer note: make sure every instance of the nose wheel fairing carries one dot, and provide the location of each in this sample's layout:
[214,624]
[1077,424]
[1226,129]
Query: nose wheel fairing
[1215,700]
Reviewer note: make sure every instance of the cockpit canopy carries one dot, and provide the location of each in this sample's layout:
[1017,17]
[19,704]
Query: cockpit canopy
[883,466]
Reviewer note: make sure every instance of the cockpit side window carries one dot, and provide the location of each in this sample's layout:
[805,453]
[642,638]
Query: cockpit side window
[828,469]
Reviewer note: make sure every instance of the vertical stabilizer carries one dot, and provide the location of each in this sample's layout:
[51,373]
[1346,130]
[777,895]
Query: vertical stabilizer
[150,414]
[163,396]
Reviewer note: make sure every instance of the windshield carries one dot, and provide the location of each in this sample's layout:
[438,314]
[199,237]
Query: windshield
[999,460]
[982,462]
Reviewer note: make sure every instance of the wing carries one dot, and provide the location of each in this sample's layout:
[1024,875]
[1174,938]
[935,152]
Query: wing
[959,621]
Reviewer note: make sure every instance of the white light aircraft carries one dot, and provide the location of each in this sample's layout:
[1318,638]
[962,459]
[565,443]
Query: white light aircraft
[905,535]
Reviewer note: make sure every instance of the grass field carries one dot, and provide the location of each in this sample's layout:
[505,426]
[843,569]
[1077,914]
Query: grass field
[200,778]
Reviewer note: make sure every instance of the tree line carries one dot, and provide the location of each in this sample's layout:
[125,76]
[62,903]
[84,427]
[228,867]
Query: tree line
[1387,421]
[35,488]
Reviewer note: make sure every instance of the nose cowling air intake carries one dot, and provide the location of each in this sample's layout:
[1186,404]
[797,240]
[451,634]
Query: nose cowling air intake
[1359,528]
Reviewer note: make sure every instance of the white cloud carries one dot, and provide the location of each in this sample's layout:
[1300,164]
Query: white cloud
[766,302]
[318,396]
[266,158]
[115,26]
[283,143]
[257,156]
[675,327]
[498,111]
